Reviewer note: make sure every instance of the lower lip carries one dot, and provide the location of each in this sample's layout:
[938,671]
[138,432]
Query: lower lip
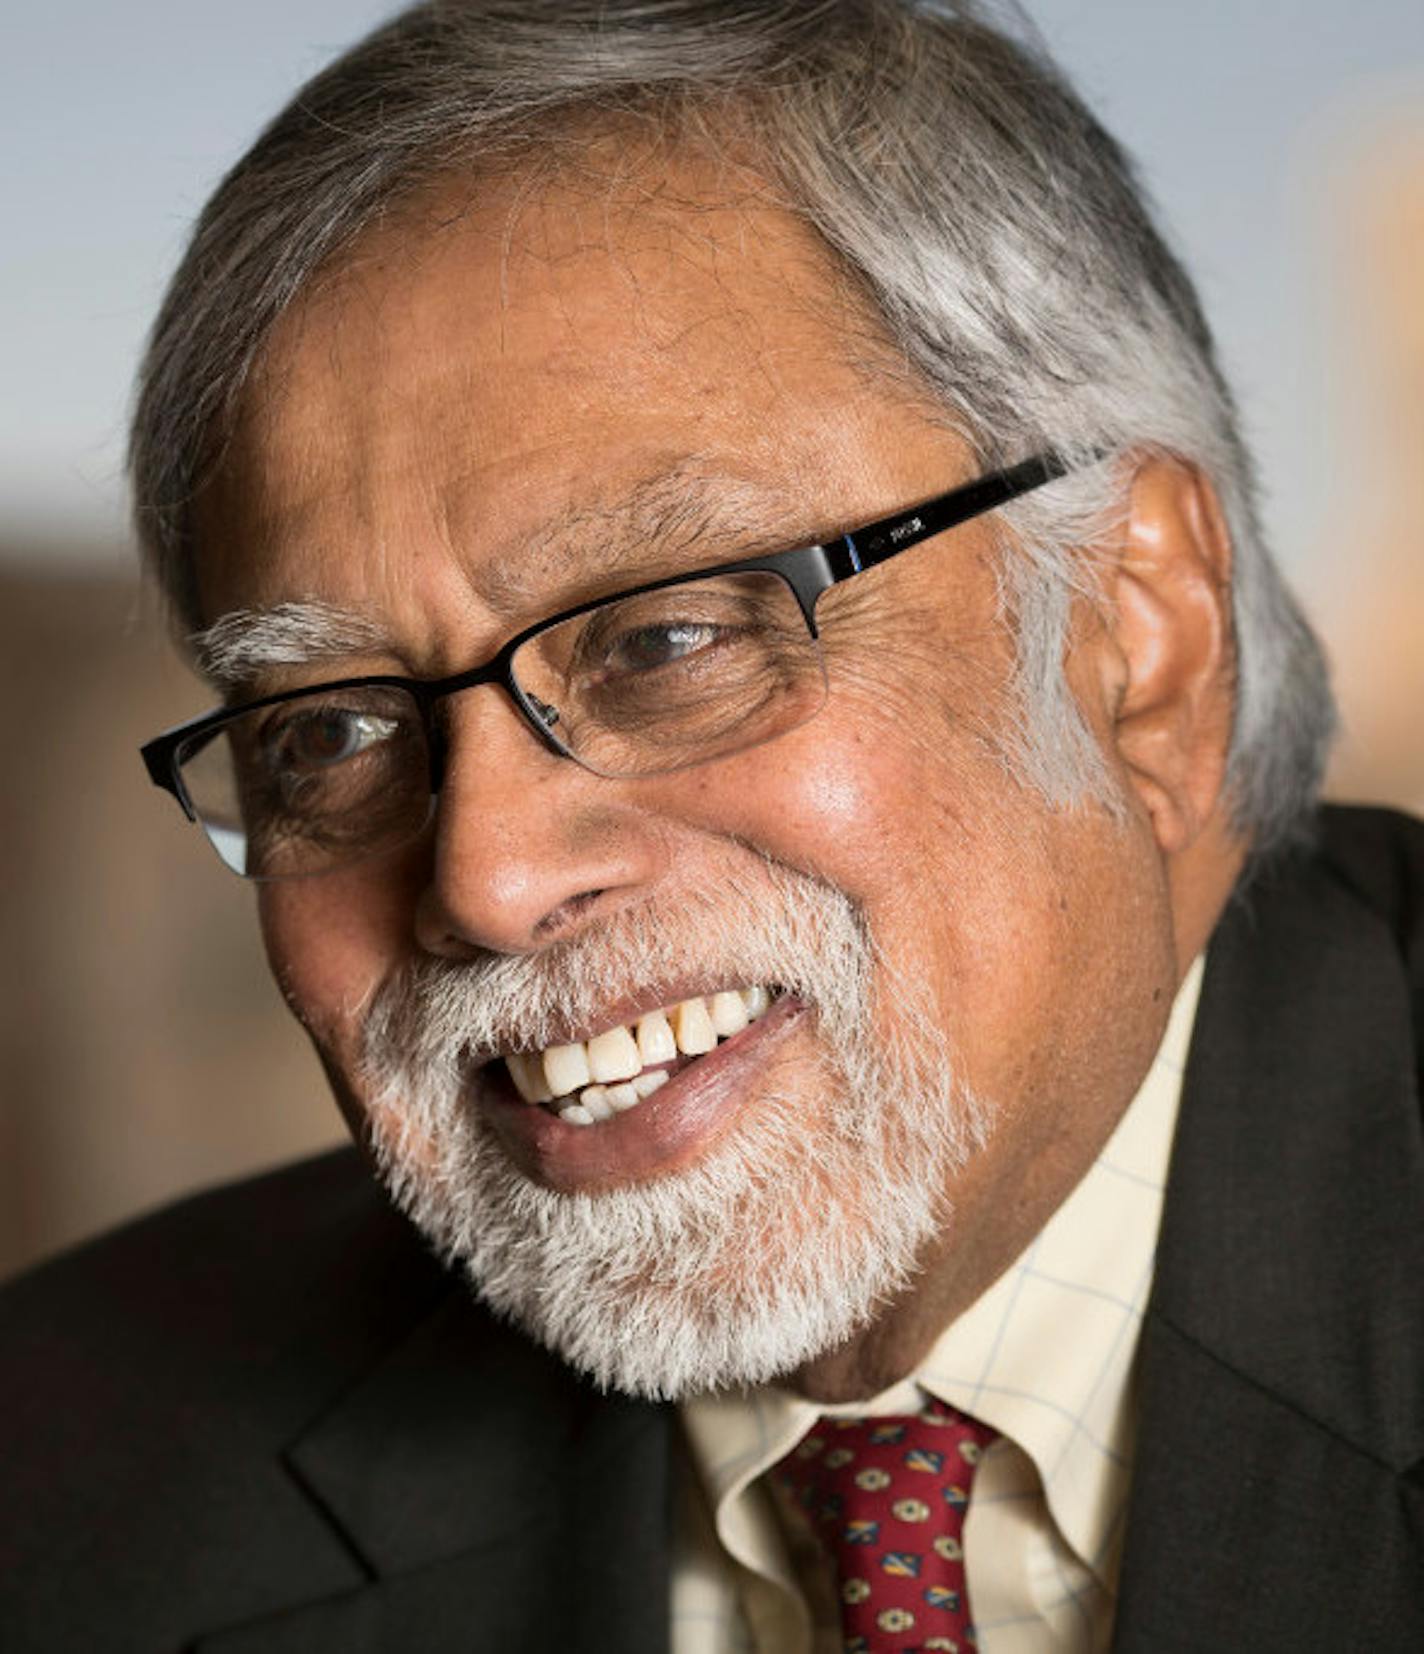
[676,1125]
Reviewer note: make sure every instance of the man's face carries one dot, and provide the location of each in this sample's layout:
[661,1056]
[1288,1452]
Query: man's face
[501,409]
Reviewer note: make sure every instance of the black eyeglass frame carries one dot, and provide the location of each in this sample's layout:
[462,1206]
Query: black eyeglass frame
[810,572]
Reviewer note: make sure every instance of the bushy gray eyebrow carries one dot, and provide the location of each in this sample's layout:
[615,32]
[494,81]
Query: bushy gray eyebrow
[231,651]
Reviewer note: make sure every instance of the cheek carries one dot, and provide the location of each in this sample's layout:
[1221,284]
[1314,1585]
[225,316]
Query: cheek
[331,943]
[891,825]
[959,871]
[839,803]
[825,807]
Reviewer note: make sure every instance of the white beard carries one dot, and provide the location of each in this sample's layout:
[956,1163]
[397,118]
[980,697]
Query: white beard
[777,1245]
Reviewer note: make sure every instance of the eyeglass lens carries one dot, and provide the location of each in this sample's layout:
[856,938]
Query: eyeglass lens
[641,685]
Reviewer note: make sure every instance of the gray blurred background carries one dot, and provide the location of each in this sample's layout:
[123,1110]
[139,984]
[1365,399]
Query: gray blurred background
[144,1051]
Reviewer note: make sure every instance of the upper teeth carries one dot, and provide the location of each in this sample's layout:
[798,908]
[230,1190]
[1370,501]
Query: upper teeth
[620,1055]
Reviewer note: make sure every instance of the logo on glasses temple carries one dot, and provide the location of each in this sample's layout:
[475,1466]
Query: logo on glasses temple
[893,536]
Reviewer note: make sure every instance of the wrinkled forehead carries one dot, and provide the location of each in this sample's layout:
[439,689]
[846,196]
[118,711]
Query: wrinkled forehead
[514,367]
[612,243]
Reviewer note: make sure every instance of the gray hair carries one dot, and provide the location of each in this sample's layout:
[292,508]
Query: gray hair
[996,228]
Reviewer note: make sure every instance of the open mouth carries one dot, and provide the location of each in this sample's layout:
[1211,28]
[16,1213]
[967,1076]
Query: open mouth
[593,1080]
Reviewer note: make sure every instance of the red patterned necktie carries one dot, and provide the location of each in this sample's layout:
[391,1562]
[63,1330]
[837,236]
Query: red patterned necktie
[887,1497]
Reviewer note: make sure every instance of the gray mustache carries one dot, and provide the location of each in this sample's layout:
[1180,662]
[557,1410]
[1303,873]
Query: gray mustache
[785,927]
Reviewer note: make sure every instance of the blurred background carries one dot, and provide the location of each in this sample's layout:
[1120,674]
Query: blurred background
[144,1050]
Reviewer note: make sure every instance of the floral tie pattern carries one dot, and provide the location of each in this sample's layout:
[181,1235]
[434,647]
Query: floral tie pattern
[888,1497]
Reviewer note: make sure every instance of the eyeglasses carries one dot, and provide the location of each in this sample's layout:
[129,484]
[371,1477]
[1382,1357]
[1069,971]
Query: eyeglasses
[666,676]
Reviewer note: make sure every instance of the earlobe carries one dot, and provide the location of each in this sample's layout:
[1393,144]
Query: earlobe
[1169,611]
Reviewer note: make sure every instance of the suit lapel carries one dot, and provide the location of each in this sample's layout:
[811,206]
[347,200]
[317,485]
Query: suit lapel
[1282,1380]
[491,1499]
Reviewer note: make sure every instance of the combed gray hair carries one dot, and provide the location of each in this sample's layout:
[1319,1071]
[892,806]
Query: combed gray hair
[995,226]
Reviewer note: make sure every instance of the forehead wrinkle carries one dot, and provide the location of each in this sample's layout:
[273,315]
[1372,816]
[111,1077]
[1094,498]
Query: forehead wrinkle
[667,522]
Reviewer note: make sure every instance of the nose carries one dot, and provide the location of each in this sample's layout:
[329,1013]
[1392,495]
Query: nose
[528,847]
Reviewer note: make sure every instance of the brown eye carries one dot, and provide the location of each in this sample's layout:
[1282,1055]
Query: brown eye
[311,741]
[320,738]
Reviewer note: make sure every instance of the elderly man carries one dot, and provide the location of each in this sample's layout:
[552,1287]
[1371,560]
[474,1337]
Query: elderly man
[768,743]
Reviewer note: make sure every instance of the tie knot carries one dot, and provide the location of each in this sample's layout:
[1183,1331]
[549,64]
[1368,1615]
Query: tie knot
[888,1497]
[935,1451]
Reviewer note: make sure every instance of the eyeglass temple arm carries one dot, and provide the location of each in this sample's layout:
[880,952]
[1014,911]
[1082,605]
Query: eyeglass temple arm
[881,540]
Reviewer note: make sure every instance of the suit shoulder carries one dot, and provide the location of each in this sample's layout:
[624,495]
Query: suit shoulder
[1373,858]
[296,1271]
[168,1391]
[150,1384]
[1379,853]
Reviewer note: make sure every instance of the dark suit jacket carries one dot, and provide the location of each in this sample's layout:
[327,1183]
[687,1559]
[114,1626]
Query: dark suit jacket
[266,1420]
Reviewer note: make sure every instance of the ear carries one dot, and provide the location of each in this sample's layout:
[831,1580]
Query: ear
[1168,608]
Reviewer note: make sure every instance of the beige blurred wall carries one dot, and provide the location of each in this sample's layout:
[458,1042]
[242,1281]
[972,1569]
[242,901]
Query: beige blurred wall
[1372,603]
[144,1050]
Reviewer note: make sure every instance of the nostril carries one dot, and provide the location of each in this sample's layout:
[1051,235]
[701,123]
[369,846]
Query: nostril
[567,913]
